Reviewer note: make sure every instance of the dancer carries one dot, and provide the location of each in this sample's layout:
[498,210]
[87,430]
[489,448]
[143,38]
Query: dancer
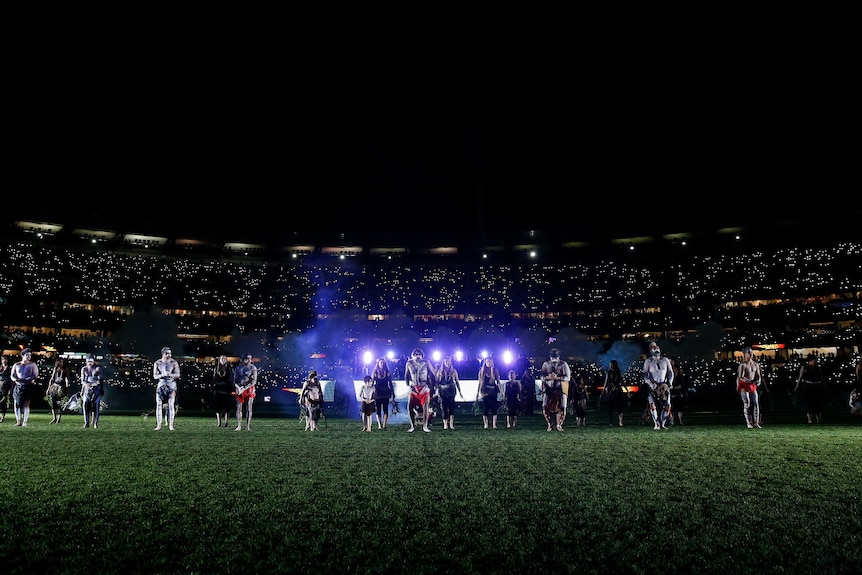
[91,391]
[557,371]
[489,388]
[245,382]
[384,391]
[448,385]
[419,375]
[658,377]
[513,399]
[367,403]
[311,397]
[748,379]
[24,375]
[166,371]
[223,390]
[57,387]
[580,399]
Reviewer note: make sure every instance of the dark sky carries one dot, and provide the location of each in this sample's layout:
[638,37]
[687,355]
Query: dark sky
[669,161]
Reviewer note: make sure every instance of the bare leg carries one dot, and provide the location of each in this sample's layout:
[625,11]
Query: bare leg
[172,411]
[158,413]
[746,405]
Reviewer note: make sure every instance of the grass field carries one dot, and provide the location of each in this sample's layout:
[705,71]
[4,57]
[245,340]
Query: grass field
[710,497]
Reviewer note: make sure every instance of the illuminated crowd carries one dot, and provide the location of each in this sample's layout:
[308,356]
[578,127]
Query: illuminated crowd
[804,294]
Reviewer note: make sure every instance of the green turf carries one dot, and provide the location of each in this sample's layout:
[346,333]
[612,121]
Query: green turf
[710,497]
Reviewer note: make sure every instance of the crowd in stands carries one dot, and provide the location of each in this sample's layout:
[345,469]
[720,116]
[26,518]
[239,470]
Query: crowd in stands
[803,297]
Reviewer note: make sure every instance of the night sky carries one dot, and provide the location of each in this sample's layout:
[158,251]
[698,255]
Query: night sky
[660,164]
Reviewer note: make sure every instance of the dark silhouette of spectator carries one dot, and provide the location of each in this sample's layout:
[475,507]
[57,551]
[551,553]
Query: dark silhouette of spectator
[223,390]
[5,387]
[528,391]
[613,393]
[812,387]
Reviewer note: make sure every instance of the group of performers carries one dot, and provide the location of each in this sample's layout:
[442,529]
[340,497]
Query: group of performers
[18,383]
[234,387]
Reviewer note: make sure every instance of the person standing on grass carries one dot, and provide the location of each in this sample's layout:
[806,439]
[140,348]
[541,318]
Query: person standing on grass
[679,392]
[419,375]
[166,371]
[580,397]
[311,397]
[91,391]
[748,379]
[223,390]
[856,401]
[5,387]
[557,374]
[57,387]
[245,383]
[489,388]
[856,393]
[368,403]
[528,391]
[513,399]
[658,377]
[552,398]
[24,375]
[384,391]
[813,387]
[448,385]
[613,392]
